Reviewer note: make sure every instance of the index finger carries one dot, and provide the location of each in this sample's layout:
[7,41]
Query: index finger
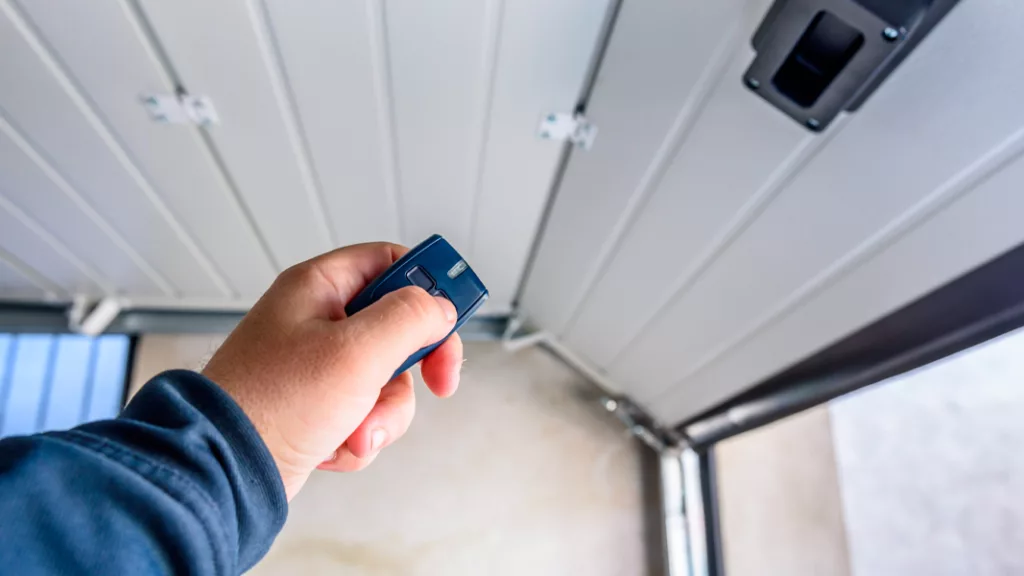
[351,268]
[442,367]
[322,286]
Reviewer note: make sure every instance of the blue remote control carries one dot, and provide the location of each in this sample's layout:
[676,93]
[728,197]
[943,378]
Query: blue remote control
[437,268]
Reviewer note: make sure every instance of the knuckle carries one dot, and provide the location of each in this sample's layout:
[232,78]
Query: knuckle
[415,303]
[300,273]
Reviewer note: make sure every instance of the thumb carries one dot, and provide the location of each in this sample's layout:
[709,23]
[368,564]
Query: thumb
[384,334]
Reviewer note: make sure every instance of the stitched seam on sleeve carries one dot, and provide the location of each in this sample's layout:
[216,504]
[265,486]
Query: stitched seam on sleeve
[138,465]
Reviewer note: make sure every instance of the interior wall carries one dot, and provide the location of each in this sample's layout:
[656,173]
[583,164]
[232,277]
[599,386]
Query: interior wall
[780,502]
[722,241]
[155,353]
[521,472]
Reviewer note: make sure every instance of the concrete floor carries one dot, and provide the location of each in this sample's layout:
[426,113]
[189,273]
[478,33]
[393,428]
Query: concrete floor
[931,467]
[518,473]
[921,474]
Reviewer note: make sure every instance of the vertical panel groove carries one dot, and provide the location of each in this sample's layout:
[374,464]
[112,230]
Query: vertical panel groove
[604,36]
[961,183]
[149,41]
[698,97]
[378,27]
[99,125]
[90,379]
[8,377]
[488,73]
[64,186]
[50,288]
[274,64]
[802,154]
[48,375]
[56,244]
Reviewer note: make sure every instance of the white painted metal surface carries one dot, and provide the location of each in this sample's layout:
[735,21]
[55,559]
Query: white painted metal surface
[709,241]
[339,122]
[21,283]
[705,241]
[566,127]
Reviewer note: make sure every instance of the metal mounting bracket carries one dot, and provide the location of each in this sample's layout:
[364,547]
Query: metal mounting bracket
[90,319]
[180,108]
[574,128]
[641,425]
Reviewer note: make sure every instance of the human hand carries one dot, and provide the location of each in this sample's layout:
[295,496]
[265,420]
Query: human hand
[315,382]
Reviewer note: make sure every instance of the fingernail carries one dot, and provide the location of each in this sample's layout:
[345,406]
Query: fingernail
[457,373]
[456,377]
[377,438]
[447,307]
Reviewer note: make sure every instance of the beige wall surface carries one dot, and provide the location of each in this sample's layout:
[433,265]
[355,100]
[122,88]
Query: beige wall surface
[158,352]
[779,499]
[519,473]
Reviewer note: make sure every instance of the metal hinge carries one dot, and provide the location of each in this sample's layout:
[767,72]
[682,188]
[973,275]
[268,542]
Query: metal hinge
[180,108]
[574,128]
[643,426]
[92,318]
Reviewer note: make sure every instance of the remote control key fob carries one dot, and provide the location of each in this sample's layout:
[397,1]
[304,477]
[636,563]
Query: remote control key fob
[437,268]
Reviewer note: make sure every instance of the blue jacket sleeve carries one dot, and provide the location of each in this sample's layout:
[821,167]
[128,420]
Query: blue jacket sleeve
[180,483]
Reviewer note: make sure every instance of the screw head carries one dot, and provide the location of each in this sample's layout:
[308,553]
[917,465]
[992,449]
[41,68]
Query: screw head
[890,34]
[551,118]
[545,134]
[610,404]
[813,123]
[753,83]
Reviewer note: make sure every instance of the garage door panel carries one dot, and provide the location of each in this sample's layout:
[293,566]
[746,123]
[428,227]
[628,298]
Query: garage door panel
[440,77]
[942,248]
[20,237]
[29,187]
[643,114]
[900,147]
[16,285]
[336,63]
[41,101]
[733,161]
[226,50]
[110,58]
[541,63]
[695,259]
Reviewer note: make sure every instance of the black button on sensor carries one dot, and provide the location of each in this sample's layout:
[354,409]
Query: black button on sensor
[419,277]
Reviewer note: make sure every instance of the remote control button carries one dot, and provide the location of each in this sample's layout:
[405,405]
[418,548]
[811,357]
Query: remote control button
[419,277]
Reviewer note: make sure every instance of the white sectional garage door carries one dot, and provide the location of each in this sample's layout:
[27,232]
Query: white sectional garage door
[708,241]
[704,243]
[341,121]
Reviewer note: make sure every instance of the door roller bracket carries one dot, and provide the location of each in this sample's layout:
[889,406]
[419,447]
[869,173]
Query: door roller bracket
[573,128]
[180,108]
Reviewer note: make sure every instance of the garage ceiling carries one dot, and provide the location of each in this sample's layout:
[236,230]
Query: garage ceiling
[340,122]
